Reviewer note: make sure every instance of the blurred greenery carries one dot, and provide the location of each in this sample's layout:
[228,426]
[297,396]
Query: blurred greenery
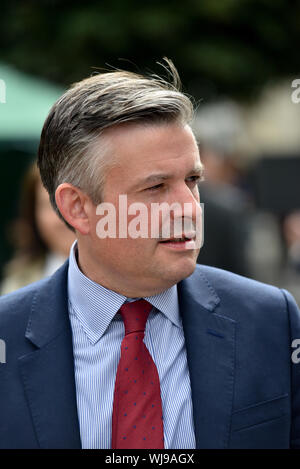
[221,47]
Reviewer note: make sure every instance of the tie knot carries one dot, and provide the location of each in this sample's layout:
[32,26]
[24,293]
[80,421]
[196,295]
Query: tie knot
[135,315]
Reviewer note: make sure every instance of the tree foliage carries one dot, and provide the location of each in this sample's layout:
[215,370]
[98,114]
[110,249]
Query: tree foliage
[219,46]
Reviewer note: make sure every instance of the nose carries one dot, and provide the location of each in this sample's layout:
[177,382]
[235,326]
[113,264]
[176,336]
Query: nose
[187,201]
[186,213]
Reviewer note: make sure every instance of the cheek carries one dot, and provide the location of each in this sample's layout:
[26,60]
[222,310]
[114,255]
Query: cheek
[128,222]
[118,222]
[125,251]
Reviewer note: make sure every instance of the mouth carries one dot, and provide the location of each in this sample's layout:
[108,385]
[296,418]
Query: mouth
[183,243]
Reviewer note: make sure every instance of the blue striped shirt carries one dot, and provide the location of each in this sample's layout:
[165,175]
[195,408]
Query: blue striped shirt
[97,331]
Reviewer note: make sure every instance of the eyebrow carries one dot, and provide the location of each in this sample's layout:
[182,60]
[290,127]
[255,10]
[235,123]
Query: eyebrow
[158,177]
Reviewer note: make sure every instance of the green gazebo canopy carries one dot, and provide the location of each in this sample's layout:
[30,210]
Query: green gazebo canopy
[24,104]
[27,101]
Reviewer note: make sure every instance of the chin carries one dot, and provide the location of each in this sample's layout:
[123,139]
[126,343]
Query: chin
[183,271]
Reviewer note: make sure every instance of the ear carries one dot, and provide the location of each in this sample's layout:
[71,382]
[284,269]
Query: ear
[73,205]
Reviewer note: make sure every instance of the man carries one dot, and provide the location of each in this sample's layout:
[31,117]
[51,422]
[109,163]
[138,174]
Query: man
[216,354]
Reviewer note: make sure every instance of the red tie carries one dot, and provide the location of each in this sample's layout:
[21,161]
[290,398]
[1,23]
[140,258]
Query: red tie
[137,411]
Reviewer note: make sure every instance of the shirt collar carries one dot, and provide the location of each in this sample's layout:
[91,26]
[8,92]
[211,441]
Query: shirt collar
[95,306]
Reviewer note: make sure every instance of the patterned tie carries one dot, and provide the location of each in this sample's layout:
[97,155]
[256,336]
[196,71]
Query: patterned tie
[137,411]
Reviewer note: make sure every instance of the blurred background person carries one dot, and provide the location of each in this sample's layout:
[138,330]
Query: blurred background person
[41,239]
[291,265]
[226,206]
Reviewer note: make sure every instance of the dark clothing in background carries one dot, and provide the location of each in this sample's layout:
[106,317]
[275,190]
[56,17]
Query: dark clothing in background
[225,228]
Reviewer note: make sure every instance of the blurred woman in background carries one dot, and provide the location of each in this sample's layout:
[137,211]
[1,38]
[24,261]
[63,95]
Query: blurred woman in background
[41,239]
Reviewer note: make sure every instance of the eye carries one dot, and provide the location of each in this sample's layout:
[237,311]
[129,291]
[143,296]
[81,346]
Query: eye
[154,188]
[195,179]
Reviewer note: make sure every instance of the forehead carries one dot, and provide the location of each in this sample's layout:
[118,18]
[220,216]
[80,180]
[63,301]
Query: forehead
[140,148]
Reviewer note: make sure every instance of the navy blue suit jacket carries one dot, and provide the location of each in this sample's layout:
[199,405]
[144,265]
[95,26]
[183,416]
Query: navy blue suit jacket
[238,334]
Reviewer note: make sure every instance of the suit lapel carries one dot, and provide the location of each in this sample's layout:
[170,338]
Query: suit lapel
[48,372]
[210,346]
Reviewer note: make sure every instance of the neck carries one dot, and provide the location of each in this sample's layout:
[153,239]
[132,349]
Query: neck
[114,281]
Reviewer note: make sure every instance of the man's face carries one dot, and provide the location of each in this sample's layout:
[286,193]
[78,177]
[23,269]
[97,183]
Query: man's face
[155,164]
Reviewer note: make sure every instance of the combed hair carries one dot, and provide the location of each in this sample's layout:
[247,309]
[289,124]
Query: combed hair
[73,147]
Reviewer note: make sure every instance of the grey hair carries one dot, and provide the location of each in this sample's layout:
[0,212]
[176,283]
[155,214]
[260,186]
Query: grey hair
[73,147]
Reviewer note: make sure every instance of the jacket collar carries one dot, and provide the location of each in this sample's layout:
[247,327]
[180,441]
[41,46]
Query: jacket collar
[48,372]
[48,317]
[49,309]
[210,346]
